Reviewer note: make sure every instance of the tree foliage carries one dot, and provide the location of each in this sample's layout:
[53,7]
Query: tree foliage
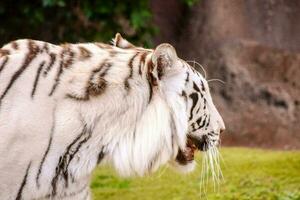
[75,20]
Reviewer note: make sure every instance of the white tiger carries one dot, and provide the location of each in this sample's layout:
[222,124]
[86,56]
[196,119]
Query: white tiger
[65,109]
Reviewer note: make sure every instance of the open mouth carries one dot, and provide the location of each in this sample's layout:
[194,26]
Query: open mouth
[193,144]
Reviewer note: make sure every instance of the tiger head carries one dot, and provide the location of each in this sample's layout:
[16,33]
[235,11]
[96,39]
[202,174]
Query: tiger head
[195,121]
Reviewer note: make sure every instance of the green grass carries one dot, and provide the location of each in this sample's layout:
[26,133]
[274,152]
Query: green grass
[249,174]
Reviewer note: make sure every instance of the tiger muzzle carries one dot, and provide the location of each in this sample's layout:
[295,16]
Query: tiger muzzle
[200,143]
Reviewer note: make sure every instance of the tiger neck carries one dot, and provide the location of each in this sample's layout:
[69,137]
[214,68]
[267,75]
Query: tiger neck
[132,123]
[132,120]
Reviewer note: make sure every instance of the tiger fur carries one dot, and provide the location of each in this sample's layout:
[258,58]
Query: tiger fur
[65,109]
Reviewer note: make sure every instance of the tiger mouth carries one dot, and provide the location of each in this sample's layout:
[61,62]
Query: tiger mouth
[192,145]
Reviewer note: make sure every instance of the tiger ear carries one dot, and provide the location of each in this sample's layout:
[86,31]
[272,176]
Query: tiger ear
[164,58]
[120,42]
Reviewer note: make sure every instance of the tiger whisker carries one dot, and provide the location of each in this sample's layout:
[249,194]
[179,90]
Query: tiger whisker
[216,79]
[204,174]
[211,167]
[217,164]
[221,158]
[194,62]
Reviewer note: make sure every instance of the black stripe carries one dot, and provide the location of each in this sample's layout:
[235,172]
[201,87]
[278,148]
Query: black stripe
[33,51]
[208,122]
[187,77]
[198,110]
[90,85]
[160,67]
[100,156]
[143,59]
[134,134]
[84,53]
[152,81]
[173,128]
[3,63]
[150,91]
[194,97]
[65,63]
[45,47]
[196,87]
[42,162]
[60,70]
[52,61]
[98,87]
[37,78]
[212,134]
[203,122]
[201,95]
[48,148]
[65,160]
[204,104]
[78,98]
[184,95]
[199,120]
[19,195]
[104,64]
[202,86]
[130,64]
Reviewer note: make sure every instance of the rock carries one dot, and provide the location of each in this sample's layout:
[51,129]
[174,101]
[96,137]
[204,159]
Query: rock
[254,46]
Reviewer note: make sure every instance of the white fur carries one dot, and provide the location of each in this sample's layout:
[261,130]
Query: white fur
[136,136]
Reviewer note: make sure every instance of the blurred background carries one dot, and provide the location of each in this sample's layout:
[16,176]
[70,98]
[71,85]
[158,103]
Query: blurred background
[253,46]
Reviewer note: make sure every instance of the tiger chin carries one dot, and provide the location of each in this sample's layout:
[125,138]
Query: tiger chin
[66,109]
